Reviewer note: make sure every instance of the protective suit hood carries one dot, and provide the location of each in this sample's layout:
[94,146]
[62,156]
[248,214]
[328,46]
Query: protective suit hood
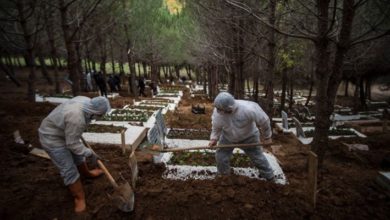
[96,106]
[225,101]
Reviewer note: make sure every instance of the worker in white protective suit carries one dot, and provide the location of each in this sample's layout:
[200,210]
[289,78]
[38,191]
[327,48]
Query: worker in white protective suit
[234,122]
[60,134]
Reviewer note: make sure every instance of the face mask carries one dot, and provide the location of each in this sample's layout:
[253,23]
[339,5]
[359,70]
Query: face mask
[222,111]
[96,117]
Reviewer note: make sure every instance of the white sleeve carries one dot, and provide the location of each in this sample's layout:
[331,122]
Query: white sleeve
[262,121]
[74,127]
[216,127]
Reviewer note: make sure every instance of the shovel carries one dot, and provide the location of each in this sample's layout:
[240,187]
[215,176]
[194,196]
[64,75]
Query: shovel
[177,149]
[123,196]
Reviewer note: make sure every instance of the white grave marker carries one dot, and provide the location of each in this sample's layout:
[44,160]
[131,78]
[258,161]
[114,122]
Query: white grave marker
[284,120]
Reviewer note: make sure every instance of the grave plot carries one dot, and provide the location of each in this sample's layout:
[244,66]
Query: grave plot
[56,99]
[346,114]
[305,134]
[201,165]
[369,126]
[118,133]
[181,133]
[197,164]
[127,115]
[198,93]
[171,88]
[167,104]
[170,92]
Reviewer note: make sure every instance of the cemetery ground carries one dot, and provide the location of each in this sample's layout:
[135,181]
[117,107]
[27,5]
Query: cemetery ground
[31,187]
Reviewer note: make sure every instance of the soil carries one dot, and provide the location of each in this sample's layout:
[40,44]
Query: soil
[31,187]
[96,128]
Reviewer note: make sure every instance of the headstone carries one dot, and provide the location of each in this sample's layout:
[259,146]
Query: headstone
[161,123]
[154,136]
[333,119]
[298,126]
[285,120]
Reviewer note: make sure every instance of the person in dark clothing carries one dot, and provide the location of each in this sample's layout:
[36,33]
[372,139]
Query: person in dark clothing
[111,83]
[117,82]
[153,87]
[99,79]
[141,86]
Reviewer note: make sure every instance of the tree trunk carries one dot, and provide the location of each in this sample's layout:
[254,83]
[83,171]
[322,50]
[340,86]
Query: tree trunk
[71,49]
[284,87]
[188,69]
[256,86]
[271,60]
[291,93]
[212,81]
[44,72]
[94,66]
[362,93]
[6,70]
[239,91]
[112,58]
[9,65]
[346,88]
[130,60]
[29,50]
[320,142]
[177,71]
[145,69]
[368,88]
[327,95]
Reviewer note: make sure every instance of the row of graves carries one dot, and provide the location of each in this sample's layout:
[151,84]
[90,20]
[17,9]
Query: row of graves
[345,123]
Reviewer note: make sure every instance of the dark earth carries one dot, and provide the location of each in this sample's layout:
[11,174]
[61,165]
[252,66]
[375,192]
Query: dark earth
[31,187]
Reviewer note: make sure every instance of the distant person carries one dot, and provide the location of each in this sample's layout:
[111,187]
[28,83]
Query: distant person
[99,79]
[89,82]
[183,79]
[60,134]
[172,80]
[117,82]
[153,87]
[234,122]
[111,83]
[141,86]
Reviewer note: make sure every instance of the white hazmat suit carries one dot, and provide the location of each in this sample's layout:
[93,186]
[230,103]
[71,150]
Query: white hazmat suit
[234,122]
[61,130]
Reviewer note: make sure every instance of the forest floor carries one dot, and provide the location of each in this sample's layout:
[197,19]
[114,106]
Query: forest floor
[31,187]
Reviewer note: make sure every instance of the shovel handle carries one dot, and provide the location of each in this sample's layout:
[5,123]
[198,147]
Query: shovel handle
[101,166]
[108,174]
[207,147]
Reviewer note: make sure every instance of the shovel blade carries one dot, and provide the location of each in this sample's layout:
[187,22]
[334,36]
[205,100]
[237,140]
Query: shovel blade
[123,198]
